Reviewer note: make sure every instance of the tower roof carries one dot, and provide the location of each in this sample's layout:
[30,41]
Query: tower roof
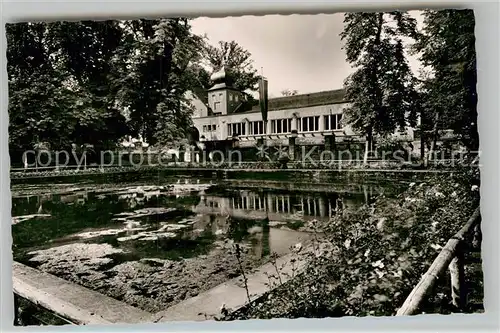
[221,79]
[219,76]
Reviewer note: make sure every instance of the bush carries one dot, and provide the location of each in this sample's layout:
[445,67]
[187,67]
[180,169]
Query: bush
[370,259]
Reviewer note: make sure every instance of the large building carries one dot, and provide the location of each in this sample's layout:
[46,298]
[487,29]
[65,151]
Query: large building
[222,114]
[223,119]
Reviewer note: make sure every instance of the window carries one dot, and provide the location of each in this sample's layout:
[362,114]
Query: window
[209,128]
[236,129]
[309,124]
[236,98]
[339,121]
[332,122]
[256,127]
[281,126]
[216,105]
[230,97]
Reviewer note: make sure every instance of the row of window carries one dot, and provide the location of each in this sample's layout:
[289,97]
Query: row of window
[236,129]
[281,126]
[209,128]
[231,97]
[256,127]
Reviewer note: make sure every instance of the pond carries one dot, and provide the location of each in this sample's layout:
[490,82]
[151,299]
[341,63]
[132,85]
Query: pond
[155,245]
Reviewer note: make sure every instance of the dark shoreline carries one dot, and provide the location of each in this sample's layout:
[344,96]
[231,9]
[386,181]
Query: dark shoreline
[274,174]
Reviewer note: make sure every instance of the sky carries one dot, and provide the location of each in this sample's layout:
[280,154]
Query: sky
[296,52]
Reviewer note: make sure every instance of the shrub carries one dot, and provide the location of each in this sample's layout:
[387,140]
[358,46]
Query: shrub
[370,259]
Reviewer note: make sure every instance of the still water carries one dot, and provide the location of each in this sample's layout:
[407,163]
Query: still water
[179,219]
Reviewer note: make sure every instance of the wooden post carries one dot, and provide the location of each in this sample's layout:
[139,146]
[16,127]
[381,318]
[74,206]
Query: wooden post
[17,321]
[445,258]
[457,275]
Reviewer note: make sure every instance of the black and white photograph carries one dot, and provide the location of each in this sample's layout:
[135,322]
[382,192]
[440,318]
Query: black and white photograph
[244,167]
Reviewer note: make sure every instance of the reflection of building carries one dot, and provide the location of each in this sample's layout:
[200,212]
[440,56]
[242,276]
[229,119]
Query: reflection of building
[278,207]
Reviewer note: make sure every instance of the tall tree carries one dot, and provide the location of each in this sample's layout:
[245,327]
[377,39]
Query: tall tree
[58,84]
[447,47]
[40,93]
[237,60]
[88,61]
[162,59]
[381,90]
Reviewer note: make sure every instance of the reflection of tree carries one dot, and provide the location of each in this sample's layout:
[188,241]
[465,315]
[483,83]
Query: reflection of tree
[238,228]
[65,220]
[265,229]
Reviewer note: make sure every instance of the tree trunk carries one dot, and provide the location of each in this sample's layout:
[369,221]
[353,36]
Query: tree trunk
[368,144]
[377,92]
[434,137]
[422,146]
[266,249]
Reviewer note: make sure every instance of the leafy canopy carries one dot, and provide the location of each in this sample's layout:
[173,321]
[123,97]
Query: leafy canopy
[381,91]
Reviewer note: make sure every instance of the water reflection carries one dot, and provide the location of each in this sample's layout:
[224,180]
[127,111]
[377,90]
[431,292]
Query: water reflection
[153,221]
[277,206]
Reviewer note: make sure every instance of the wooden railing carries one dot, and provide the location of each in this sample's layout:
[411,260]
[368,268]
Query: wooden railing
[28,313]
[68,302]
[450,258]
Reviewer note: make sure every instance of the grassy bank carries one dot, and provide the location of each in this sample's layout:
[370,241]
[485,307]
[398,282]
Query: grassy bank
[375,255]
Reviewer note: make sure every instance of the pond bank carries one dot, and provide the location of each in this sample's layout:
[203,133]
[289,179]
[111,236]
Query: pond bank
[153,247]
[379,253]
[122,174]
[150,284]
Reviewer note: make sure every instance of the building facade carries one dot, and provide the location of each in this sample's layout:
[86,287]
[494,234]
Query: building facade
[222,115]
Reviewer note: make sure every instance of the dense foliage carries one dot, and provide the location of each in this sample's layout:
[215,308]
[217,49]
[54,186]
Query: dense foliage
[58,92]
[94,82]
[368,260]
[381,91]
[384,93]
[447,47]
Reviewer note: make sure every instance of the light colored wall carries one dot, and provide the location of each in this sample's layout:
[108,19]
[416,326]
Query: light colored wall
[221,97]
[222,121]
[220,127]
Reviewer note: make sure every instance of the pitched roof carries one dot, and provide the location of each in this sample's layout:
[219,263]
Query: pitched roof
[304,100]
[201,93]
[286,102]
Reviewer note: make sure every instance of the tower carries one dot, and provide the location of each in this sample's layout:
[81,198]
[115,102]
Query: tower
[223,98]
